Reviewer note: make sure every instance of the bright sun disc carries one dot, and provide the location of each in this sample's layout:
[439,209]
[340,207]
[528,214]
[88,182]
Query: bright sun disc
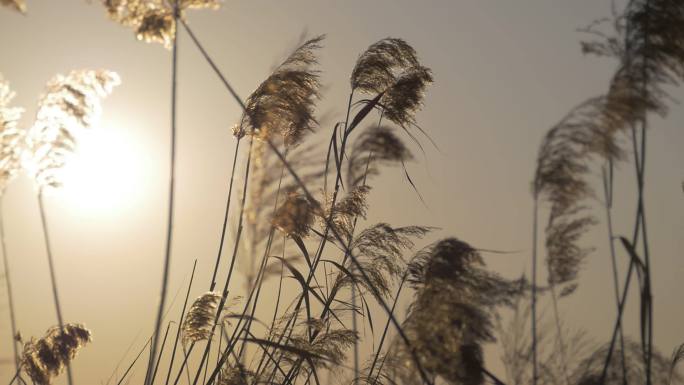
[104,173]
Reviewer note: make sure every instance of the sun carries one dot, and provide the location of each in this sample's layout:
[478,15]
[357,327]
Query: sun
[104,174]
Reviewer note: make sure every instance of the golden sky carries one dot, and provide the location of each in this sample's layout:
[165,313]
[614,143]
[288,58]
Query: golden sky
[504,73]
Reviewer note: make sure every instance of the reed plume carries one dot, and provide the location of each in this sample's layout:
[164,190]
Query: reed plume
[379,250]
[70,104]
[235,375]
[284,103]
[589,370]
[556,360]
[153,20]
[452,314]
[199,321]
[328,347]
[391,68]
[295,215]
[45,358]
[11,136]
[17,5]
[374,146]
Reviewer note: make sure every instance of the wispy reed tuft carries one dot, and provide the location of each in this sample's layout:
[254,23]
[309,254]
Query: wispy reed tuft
[70,104]
[11,136]
[391,68]
[152,20]
[452,314]
[295,215]
[284,103]
[45,358]
[199,321]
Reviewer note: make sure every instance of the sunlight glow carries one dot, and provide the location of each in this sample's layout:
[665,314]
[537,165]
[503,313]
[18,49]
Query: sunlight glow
[104,173]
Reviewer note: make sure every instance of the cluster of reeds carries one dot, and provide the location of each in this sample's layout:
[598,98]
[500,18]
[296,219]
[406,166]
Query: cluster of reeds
[300,219]
[648,44]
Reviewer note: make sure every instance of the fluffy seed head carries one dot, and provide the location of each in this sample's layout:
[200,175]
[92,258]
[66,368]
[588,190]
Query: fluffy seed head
[45,358]
[200,318]
[11,137]
[70,104]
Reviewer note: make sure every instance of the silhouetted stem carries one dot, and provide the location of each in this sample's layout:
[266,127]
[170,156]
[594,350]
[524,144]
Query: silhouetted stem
[384,334]
[180,323]
[134,361]
[10,298]
[53,279]
[608,204]
[534,290]
[172,174]
[238,236]
[621,307]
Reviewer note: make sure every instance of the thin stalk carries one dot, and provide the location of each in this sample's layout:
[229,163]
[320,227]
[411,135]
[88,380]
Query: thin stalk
[607,176]
[618,321]
[535,230]
[53,279]
[213,65]
[355,328]
[384,333]
[172,174]
[180,323]
[225,216]
[238,99]
[559,334]
[134,361]
[161,350]
[232,261]
[10,297]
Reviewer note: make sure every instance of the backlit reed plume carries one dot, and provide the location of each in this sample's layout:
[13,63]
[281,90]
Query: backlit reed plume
[561,180]
[11,136]
[589,371]
[235,375]
[556,360]
[375,145]
[295,215]
[344,213]
[284,103]
[45,358]
[452,314]
[391,68]
[328,347]
[152,20]
[199,321]
[17,5]
[70,104]
[379,250]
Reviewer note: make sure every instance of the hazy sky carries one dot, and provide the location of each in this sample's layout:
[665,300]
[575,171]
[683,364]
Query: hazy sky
[505,72]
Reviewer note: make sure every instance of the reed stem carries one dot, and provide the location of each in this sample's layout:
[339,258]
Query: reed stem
[172,174]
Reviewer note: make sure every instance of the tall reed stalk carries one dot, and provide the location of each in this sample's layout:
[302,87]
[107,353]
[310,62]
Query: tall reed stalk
[53,278]
[172,174]
[10,297]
